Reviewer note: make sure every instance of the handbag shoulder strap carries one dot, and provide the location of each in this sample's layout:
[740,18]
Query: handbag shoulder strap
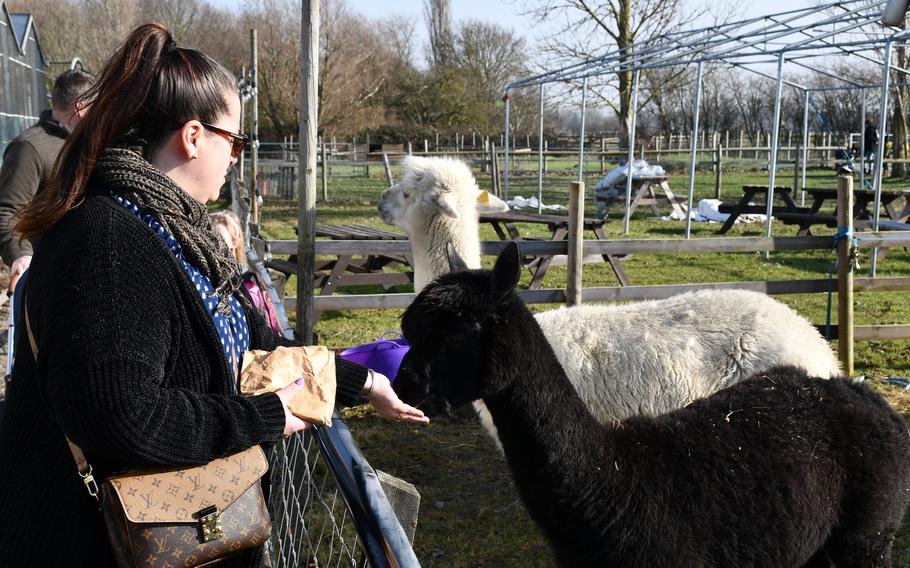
[84,468]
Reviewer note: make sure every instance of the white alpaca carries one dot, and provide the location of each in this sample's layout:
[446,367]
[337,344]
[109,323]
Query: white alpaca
[437,201]
[646,357]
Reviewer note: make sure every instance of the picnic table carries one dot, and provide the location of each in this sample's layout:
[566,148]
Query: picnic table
[346,270]
[862,211]
[506,227]
[643,193]
[782,194]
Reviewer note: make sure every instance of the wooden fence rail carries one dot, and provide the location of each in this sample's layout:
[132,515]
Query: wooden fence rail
[618,246]
[628,293]
[619,293]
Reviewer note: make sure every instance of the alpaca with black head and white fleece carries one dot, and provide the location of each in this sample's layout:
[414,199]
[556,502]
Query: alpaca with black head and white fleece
[686,347]
[780,470]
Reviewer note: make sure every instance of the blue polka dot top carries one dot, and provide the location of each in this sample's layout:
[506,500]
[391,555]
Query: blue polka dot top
[232,330]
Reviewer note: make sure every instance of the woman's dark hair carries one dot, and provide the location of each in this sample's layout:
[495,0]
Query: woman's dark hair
[148,88]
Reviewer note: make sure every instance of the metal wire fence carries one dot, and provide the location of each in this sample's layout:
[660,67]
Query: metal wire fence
[329,509]
[312,525]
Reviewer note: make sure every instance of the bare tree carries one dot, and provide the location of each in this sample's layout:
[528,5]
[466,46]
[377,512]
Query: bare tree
[439,25]
[489,56]
[179,16]
[899,111]
[88,29]
[355,63]
[596,27]
[399,33]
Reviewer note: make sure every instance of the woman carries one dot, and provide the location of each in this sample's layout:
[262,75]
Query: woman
[134,303]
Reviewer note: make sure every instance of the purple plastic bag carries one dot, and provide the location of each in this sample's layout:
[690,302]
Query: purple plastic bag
[383,356]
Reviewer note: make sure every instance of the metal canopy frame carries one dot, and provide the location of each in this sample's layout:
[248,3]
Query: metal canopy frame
[803,37]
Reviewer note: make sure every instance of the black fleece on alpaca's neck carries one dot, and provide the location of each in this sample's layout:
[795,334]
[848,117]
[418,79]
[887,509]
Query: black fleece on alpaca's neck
[549,437]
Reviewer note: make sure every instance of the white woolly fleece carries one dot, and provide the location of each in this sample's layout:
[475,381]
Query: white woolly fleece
[645,357]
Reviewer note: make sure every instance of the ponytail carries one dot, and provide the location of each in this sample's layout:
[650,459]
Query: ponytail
[148,88]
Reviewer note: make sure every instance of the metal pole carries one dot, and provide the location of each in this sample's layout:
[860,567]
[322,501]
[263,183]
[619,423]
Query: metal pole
[802,197]
[880,151]
[862,140]
[306,202]
[254,132]
[775,132]
[629,157]
[581,131]
[505,152]
[540,157]
[694,144]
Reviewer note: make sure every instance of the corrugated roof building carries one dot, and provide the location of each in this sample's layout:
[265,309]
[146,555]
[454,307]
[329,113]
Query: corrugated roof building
[23,71]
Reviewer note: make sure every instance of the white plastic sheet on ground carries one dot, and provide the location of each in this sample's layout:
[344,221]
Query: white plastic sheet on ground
[519,202]
[708,212]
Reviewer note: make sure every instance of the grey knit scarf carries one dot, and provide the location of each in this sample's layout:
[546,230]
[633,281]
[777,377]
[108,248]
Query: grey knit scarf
[130,176]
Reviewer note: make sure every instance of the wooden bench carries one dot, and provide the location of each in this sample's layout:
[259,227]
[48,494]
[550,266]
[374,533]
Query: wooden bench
[743,205]
[353,270]
[505,226]
[643,193]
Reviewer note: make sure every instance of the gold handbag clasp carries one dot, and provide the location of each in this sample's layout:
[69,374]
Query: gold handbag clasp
[210,524]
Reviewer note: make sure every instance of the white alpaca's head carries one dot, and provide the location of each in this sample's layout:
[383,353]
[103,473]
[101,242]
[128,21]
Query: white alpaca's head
[434,186]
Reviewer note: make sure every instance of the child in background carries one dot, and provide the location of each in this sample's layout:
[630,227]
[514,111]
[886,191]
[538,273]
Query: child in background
[228,226]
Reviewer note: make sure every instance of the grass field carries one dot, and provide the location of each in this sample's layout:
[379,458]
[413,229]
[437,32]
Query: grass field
[471,515]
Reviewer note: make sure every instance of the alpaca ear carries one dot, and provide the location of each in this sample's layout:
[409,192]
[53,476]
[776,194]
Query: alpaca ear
[456,263]
[444,201]
[507,269]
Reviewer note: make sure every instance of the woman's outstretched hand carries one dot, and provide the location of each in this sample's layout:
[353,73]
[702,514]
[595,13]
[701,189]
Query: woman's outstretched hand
[291,423]
[387,404]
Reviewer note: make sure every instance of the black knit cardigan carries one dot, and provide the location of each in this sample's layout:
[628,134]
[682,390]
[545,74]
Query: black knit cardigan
[130,368]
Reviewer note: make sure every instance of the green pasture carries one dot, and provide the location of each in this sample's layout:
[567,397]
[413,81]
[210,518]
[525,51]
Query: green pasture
[471,515]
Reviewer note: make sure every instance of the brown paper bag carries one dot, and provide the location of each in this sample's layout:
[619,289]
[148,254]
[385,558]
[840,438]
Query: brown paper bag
[268,371]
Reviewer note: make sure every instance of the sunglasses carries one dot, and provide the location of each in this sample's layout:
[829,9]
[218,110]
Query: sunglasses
[238,141]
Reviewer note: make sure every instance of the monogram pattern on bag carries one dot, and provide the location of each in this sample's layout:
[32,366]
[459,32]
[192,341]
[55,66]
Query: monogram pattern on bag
[159,546]
[170,537]
[168,496]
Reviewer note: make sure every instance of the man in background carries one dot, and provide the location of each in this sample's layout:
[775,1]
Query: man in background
[29,159]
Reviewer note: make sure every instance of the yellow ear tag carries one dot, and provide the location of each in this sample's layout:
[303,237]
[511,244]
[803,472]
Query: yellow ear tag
[484,197]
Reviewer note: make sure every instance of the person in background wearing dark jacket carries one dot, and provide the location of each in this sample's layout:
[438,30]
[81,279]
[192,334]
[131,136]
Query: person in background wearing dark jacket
[29,159]
[870,144]
[136,309]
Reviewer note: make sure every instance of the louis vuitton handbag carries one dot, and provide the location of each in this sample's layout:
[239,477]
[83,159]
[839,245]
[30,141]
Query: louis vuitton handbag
[187,517]
[160,517]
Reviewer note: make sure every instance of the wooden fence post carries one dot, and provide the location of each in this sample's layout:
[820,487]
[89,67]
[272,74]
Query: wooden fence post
[388,169]
[718,170]
[325,175]
[576,242]
[546,154]
[845,273]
